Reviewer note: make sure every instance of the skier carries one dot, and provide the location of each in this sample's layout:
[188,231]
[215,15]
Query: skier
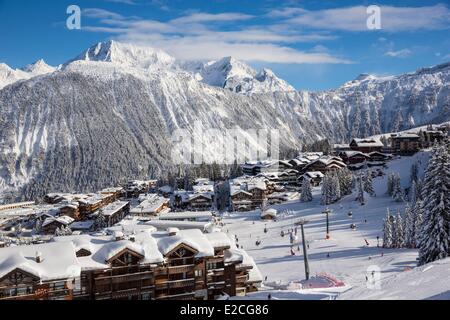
[269,297]
[292,252]
[367,242]
[328,255]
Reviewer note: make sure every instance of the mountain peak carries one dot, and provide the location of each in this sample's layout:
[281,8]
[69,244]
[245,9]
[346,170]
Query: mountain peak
[126,54]
[38,67]
[365,76]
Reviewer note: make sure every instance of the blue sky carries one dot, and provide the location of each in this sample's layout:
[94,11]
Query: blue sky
[312,44]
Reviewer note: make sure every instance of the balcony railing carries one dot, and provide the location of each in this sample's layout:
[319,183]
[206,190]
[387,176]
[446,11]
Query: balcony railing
[181,269]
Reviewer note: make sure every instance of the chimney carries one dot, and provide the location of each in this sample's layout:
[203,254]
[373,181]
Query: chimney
[118,235]
[172,231]
[38,257]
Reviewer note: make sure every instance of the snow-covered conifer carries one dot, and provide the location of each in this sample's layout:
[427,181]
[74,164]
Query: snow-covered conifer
[306,194]
[434,242]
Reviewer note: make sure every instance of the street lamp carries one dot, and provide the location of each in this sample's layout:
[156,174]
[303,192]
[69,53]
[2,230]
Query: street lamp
[305,253]
[327,212]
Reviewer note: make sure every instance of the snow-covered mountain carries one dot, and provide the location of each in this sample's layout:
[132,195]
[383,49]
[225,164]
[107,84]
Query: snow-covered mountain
[109,113]
[9,75]
[236,76]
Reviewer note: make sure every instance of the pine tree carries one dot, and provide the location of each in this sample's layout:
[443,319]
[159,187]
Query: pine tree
[335,189]
[326,190]
[434,240]
[418,220]
[410,227]
[368,184]
[306,194]
[360,197]
[387,230]
[413,193]
[345,177]
[390,184]
[399,235]
[414,172]
[397,192]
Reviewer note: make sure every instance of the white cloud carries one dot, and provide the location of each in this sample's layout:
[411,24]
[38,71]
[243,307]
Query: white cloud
[393,19]
[198,36]
[208,17]
[403,53]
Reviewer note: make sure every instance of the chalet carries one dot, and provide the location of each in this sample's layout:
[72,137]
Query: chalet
[405,143]
[38,272]
[269,214]
[134,188]
[338,148]
[430,137]
[165,191]
[167,265]
[83,226]
[248,193]
[241,200]
[325,164]
[255,168]
[92,202]
[114,212]
[379,156]
[116,192]
[150,205]
[70,209]
[282,196]
[200,201]
[50,224]
[366,145]
[314,177]
[354,157]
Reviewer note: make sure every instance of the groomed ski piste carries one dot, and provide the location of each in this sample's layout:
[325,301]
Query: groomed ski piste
[348,257]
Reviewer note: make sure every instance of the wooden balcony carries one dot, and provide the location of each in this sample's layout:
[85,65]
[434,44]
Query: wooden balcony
[242,278]
[181,269]
[106,280]
[180,296]
[166,283]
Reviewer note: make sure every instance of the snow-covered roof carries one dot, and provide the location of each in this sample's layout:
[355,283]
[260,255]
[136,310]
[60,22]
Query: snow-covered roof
[164,224]
[314,174]
[105,247]
[193,238]
[368,142]
[269,213]
[219,240]
[241,257]
[82,225]
[112,190]
[353,153]
[166,189]
[114,207]
[406,135]
[65,220]
[58,260]
[206,215]
[149,204]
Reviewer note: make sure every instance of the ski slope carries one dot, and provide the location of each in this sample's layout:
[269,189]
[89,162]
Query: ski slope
[345,255]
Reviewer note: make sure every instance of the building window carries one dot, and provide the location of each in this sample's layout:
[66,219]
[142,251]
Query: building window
[198,273]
